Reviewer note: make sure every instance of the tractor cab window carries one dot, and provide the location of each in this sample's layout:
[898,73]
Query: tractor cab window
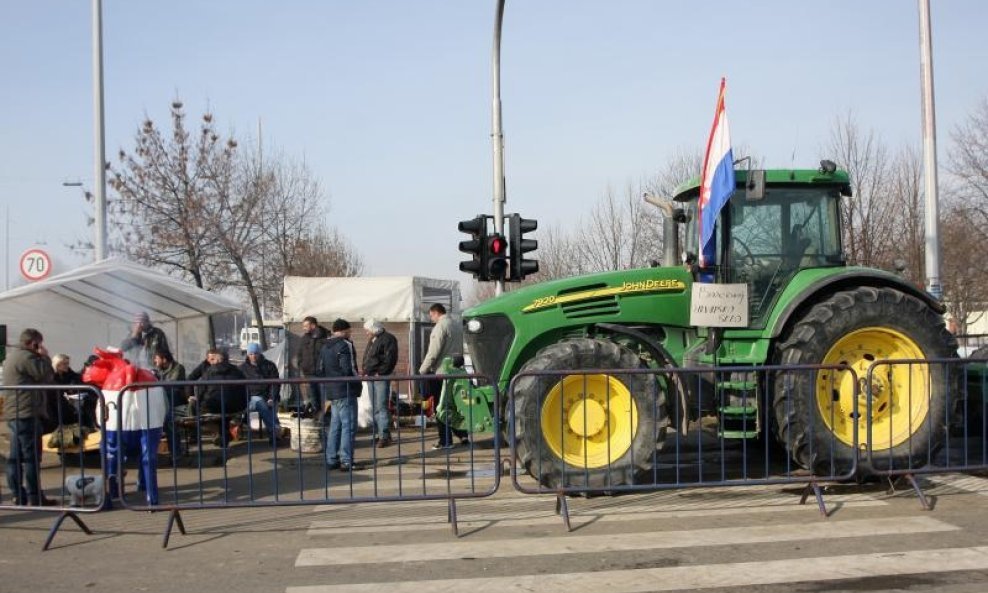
[773,238]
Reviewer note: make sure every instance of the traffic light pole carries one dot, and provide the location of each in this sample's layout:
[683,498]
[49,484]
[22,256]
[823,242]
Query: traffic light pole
[497,135]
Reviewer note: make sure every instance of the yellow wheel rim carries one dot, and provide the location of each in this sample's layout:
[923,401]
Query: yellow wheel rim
[899,393]
[589,421]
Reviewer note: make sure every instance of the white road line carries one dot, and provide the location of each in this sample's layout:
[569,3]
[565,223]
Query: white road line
[832,568]
[572,544]
[678,499]
[973,484]
[525,518]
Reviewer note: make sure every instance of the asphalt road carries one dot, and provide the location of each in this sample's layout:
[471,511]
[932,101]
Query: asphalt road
[750,539]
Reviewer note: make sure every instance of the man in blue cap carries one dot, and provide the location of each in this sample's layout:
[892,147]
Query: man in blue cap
[263,397]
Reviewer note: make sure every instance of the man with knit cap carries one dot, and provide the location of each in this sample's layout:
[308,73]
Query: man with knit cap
[380,359]
[338,358]
[263,398]
[145,338]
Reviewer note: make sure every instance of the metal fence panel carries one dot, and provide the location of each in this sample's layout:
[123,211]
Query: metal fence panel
[227,464]
[62,462]
[605,431]
[926,417]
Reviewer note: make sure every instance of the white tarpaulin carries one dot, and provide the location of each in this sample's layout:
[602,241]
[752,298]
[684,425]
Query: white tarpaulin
[94,305]
[388,298]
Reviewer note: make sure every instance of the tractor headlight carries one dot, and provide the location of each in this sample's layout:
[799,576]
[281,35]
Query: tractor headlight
[474,326]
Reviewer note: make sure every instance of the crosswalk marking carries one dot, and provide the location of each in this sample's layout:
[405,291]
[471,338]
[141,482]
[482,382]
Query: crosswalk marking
[668,499]
[547,517]
[973,484]
[832,568]
[622,542]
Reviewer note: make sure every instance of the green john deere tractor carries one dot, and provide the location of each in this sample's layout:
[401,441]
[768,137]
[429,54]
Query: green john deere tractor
[780,234]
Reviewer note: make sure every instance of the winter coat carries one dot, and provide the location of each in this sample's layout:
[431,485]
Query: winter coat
[151,340]
[58,406]
[381,355]
[176,396]
[225,398]
[24,367]
[338,358]
[264,369]
[445,339]
[309,348]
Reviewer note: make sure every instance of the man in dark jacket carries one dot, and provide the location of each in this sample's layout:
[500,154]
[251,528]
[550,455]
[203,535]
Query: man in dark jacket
[23,409]
[338,358]
[307,360]
[227,400]
[263,398]
[380,359]
[167,369]
[147,339]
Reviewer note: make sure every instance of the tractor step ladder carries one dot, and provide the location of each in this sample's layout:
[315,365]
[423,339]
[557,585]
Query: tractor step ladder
[738,422]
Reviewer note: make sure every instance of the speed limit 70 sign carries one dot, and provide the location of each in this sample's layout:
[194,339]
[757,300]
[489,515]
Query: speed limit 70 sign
[35,265]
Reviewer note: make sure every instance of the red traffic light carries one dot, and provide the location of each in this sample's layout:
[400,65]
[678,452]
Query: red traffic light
[497,245]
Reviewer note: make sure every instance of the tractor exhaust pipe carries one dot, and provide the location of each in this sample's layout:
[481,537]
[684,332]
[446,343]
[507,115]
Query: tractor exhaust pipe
[670,232]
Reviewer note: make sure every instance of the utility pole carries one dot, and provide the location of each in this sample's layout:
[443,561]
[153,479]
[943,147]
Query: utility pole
[6,253]
[99,177]
[929,153]
[497,134]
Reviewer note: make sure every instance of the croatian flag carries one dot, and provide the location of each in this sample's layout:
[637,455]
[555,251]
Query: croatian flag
[717,182]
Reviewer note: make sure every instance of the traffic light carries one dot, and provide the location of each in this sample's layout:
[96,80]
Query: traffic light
[519,246]
[497,257]
[476,246]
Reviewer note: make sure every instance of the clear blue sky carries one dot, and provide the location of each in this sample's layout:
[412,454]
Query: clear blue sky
[388,102]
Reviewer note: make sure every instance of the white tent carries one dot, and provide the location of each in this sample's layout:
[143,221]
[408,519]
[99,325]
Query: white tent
[94,305]
[385,298]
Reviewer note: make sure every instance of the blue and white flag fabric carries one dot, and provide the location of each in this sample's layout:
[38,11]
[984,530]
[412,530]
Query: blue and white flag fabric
[717,183]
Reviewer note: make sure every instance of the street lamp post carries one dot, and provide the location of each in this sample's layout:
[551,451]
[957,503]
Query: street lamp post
[497,134]
[99,177]
[933,285]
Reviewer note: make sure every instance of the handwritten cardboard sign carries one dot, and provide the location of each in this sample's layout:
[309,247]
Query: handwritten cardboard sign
[719,305]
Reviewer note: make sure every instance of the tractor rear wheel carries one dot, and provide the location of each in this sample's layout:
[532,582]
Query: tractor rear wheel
[820,418]
[592,431]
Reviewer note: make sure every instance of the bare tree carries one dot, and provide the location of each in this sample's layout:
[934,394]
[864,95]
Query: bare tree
[965,273]
[196,204]
[869,216]
[969,158]
[158,217]
[963,229]
[909,230]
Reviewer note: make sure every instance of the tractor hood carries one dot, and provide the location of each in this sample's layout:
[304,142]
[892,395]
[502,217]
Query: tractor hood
[586,294]
[504,331]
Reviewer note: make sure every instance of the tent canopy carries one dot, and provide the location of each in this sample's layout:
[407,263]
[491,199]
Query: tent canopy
[95,305]
[385,298]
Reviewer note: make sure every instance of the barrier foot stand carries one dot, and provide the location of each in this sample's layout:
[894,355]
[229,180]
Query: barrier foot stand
[173,517]
[923,500]
[451,517]
[819,498]
[562,508]
[58,523]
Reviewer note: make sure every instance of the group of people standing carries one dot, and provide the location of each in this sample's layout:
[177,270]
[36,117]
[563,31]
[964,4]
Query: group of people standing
[330,353]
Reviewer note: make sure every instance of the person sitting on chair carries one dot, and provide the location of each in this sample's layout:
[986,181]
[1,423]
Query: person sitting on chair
[263,397]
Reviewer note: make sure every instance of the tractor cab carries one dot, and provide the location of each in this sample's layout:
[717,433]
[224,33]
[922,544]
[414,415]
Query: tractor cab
[774,225]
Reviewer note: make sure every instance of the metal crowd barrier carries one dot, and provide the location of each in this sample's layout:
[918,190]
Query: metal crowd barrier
[251,470]
[609,446]
[939,423]
[77,482]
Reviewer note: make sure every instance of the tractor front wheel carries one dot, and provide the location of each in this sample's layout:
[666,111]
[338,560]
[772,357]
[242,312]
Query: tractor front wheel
[587,430]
